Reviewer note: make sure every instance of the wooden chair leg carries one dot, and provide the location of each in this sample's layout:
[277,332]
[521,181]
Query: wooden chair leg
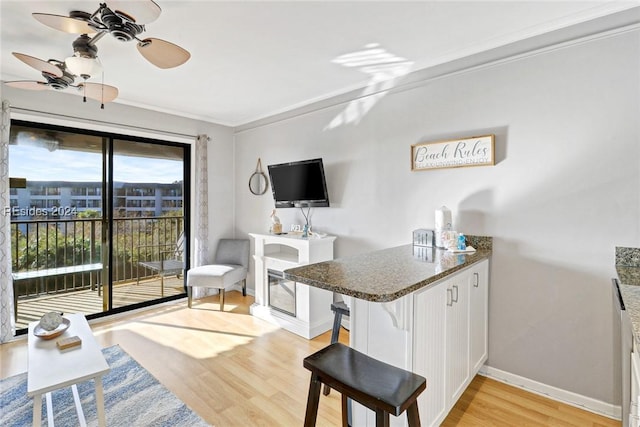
[345,411]
[413,417]
[189,296]
[244,287]
[382,418]
[222,299]
[335,334]
[313,400]
[326,390]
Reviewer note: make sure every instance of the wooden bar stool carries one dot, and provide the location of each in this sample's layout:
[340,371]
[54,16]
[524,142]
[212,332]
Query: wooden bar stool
[379,386]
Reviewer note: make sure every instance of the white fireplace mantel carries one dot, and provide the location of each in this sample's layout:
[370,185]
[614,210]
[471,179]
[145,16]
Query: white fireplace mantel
[313,305]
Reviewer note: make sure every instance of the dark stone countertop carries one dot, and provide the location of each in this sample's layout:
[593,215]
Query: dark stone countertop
[628,269]
[388,274]
[628,275]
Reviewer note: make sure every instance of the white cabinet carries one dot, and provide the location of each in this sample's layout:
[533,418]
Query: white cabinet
[634,413]
[439,332]
[478,315]
[450,338]
[457,336]
[430,306]
[312,313]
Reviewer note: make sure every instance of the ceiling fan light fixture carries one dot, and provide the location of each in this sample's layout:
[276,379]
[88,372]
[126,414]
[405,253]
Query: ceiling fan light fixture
[83,66]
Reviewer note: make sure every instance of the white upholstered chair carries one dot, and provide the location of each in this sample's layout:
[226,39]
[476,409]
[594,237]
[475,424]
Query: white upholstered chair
[230,267]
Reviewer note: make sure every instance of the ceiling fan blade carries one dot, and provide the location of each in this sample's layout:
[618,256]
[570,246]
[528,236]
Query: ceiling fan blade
[39,64]
[65,23]
[137,11]
[99,92]
[28,84]
[163,54]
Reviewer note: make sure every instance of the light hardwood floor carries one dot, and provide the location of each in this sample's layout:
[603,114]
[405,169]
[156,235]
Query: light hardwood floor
[236,370]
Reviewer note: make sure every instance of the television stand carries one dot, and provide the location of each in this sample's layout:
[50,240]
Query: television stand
[296,307]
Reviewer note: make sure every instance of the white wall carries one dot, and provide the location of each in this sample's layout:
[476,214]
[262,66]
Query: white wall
[565,191]
[120,118]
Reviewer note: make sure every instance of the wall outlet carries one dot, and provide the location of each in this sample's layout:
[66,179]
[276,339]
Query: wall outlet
[296,227]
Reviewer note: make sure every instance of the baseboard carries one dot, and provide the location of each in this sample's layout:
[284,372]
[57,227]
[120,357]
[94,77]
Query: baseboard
[236,287]
[564,396]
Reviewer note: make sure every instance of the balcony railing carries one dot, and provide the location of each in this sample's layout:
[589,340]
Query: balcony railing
[41,246]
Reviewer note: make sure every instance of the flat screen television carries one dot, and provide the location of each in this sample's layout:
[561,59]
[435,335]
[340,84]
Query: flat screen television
[299,184]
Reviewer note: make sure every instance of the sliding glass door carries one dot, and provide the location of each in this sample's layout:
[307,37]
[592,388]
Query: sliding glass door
[148,221]
[97,221]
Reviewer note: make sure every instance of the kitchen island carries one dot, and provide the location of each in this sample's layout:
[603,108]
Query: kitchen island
[420,309]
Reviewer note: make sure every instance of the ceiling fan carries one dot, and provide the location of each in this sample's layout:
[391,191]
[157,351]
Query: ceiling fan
[57,76]
[125,21]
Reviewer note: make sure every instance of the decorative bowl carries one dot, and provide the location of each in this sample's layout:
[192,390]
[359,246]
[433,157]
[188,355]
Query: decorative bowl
[47,335]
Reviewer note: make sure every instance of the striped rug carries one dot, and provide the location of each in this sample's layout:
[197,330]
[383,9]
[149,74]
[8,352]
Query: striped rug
[132,397]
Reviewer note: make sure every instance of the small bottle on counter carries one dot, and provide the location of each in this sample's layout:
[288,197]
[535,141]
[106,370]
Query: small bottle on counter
[462,242]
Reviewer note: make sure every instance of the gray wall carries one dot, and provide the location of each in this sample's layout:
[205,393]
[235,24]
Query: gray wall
[67,108]
[565,191]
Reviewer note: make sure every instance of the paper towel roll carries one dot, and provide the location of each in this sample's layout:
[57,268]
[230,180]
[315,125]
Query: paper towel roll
[443,224]
[443,219]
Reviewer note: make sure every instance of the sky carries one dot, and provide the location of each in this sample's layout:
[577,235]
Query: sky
[40,164]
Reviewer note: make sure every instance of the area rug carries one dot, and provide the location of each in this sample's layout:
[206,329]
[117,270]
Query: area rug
[132,397]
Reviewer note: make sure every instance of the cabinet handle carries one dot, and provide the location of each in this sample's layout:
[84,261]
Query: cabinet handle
[456,298]
[477,282]
[449,297]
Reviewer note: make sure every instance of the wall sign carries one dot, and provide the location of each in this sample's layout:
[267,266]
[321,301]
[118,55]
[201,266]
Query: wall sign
[453,153]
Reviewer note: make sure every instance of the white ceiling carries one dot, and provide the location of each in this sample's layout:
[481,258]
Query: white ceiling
[254,59]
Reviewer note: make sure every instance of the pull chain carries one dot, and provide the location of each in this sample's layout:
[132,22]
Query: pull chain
[102,93]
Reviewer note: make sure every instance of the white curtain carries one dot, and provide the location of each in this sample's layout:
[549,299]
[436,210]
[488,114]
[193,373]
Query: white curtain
[7,310]
[201,255]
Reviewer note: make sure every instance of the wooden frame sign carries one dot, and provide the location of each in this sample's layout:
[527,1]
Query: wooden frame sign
[454,153]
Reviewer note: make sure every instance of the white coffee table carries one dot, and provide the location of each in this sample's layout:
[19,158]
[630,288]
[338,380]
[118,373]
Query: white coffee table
[50,368]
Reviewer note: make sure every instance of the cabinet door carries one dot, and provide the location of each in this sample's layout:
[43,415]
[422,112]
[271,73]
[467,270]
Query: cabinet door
[429,351]
[478,315]
[457,336]
[634,415]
